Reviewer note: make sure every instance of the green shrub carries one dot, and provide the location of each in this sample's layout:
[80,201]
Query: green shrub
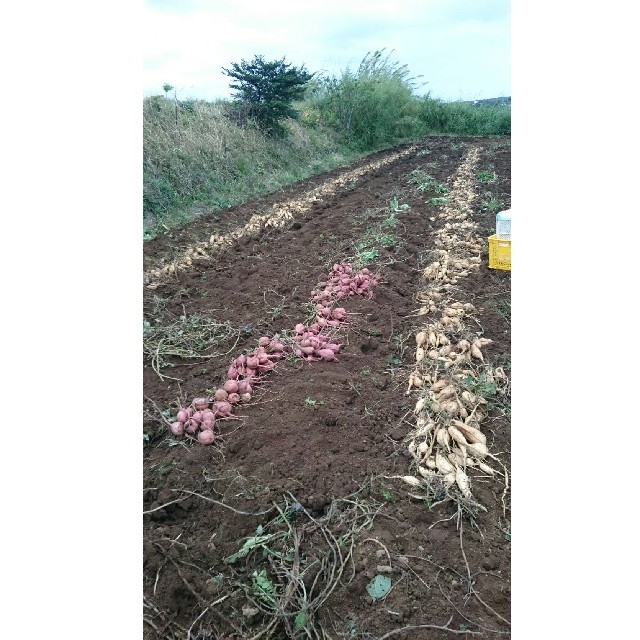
[265,91]
[463,118]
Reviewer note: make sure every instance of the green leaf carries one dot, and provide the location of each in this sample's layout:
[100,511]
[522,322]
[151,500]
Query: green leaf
[263,586]
[300,621]
[379,587]
[249,544]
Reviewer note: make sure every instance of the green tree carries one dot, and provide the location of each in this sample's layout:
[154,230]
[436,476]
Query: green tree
[166,87]
[266,90]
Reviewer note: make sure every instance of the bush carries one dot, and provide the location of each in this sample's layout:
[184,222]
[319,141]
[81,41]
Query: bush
[372,107]
[463,118]
[265,91]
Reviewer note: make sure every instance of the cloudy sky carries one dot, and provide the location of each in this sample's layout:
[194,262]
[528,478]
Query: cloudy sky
[461,48]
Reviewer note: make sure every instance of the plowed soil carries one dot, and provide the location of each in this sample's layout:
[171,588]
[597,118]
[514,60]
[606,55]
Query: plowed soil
[321,444]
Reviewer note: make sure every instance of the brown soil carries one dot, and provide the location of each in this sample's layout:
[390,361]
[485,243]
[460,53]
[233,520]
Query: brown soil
[316,433]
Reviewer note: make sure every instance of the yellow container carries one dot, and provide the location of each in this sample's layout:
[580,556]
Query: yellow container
[499,253]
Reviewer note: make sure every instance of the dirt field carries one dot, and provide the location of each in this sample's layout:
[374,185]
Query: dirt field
[278,528]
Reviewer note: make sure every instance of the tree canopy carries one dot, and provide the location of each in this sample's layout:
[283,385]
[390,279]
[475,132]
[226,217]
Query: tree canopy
[268,89]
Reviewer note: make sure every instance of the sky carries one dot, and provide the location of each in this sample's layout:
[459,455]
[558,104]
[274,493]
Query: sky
[460,48]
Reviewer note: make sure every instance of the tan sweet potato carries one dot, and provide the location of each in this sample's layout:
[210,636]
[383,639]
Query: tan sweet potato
[443,465]
[471,434]
[430,462]
[477,450]
[451,407]
[440,384]
[462,480]
[457,435]
[426,473]
[443,438]
[448,392]
[476,353]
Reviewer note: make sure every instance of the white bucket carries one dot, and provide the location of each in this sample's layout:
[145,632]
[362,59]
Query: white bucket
[503,225]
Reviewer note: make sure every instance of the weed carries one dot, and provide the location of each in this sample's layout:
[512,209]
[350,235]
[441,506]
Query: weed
[398,340]
[393,360]
[390,221]
[503,308]
[379,234]
[393,363]
[368,412]
[396,208]
[275,312]
[480,386]
[426,182]
[365,372]
[487,176]
[365,257]
[419,176]
[310,402]
[357,386]
[386,239]
[484,387]
[441,188]
[491,204]
[385,491]
[437,202]
[159,306]
[165,468]
[262,587]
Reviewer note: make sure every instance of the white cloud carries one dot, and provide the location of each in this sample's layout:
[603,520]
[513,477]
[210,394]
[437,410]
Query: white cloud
[460,48]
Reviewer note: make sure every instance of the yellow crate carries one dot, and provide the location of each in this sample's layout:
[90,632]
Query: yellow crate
[499,253]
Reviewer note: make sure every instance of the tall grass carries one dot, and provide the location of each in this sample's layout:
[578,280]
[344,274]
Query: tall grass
[196,159]
[373,106]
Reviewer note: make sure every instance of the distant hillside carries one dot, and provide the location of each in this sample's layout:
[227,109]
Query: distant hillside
[502,101]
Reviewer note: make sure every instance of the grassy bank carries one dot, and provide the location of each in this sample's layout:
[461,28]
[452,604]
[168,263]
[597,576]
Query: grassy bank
[196,160]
